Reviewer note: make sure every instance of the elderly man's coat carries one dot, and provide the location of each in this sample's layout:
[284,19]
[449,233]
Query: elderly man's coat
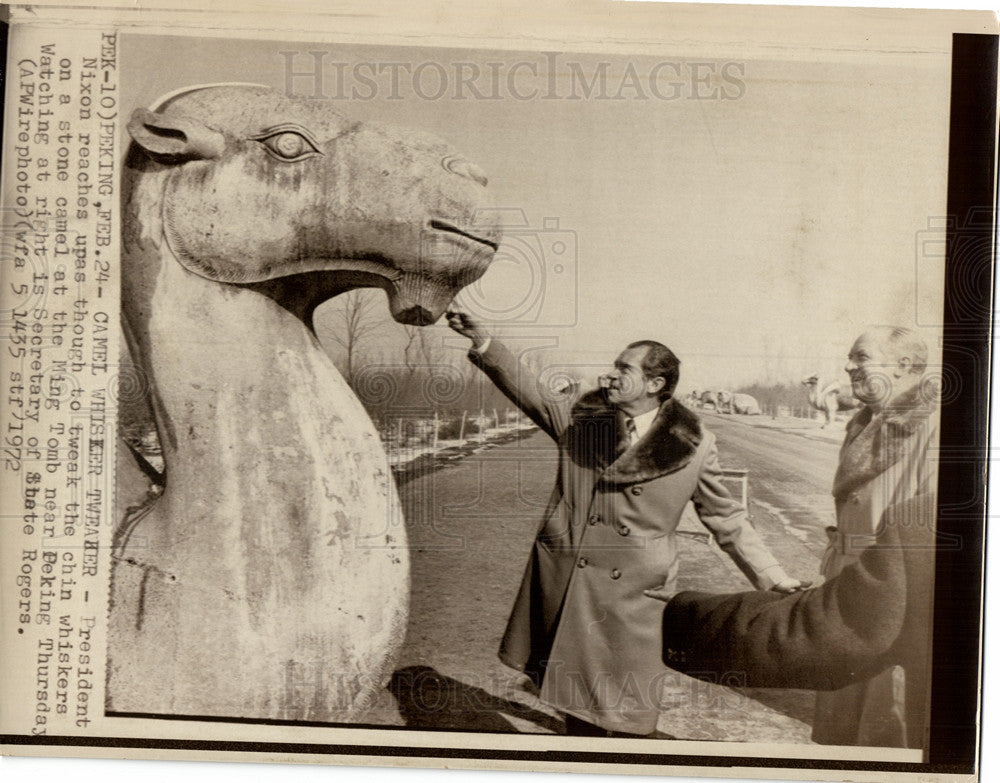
[581,626]
[887,458]
[876,614]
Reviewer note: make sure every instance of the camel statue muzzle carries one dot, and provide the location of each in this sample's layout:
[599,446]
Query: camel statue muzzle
[270,578]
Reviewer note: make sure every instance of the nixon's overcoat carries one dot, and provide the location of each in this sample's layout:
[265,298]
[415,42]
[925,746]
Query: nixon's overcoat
[581,626]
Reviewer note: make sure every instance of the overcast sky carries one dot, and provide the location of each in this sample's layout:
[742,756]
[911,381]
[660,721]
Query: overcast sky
[755,221]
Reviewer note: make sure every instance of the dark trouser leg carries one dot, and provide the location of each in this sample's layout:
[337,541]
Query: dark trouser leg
[581,728]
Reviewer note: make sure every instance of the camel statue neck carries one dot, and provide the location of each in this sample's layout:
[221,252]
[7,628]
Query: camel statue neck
[815,398]
[205,341]
[223,362]
[236,377]
[251,410]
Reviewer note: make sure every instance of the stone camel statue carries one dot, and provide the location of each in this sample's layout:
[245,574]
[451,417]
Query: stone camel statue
[737,402]
[270,578]
[829,398]
[708,400]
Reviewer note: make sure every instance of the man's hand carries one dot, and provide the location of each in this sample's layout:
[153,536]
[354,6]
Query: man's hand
[786,586]
[661,593]
[789,585]
[465,324]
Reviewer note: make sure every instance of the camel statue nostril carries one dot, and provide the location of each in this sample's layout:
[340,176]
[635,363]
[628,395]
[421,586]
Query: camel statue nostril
[478,175]
[464,168]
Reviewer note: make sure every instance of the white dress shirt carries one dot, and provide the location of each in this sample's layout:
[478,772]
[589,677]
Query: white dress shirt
[641,423]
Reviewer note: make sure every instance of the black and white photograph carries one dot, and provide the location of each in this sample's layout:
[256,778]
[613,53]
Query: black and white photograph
[504,401]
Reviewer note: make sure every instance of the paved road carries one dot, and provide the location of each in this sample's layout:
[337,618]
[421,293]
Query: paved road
[471,525]
[791,472]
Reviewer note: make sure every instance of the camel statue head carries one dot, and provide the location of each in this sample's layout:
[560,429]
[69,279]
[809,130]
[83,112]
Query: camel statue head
[261,190]
[278,540]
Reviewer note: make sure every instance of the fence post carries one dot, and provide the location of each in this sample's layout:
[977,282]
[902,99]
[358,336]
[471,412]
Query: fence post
[461,427]
[434,442]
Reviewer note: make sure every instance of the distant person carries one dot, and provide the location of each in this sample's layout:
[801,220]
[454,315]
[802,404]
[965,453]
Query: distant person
[630,459]
[876,614]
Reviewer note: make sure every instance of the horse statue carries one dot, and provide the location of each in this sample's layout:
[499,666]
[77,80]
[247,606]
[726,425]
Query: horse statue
[269,579]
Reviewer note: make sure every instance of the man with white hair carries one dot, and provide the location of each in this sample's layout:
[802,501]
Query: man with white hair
[872,616]
[886,459]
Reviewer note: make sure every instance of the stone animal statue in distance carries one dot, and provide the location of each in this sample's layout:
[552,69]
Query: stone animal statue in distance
[270,578]
[829,398]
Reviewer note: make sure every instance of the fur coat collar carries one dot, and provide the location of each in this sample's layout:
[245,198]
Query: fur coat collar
[876,441]
[600,441]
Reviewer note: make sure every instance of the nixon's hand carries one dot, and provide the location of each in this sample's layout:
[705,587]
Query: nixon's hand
[465,324]
[789,585]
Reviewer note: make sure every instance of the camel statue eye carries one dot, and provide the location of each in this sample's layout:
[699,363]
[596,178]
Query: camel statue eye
[288,145]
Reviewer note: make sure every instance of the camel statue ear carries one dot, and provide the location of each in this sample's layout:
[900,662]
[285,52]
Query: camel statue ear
[173,138]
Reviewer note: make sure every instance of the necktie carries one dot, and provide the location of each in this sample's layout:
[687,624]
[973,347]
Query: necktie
[633,433]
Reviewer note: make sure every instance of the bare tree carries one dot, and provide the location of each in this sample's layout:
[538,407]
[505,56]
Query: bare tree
[353,323]
[419,348]
[432,376]
[411,350]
